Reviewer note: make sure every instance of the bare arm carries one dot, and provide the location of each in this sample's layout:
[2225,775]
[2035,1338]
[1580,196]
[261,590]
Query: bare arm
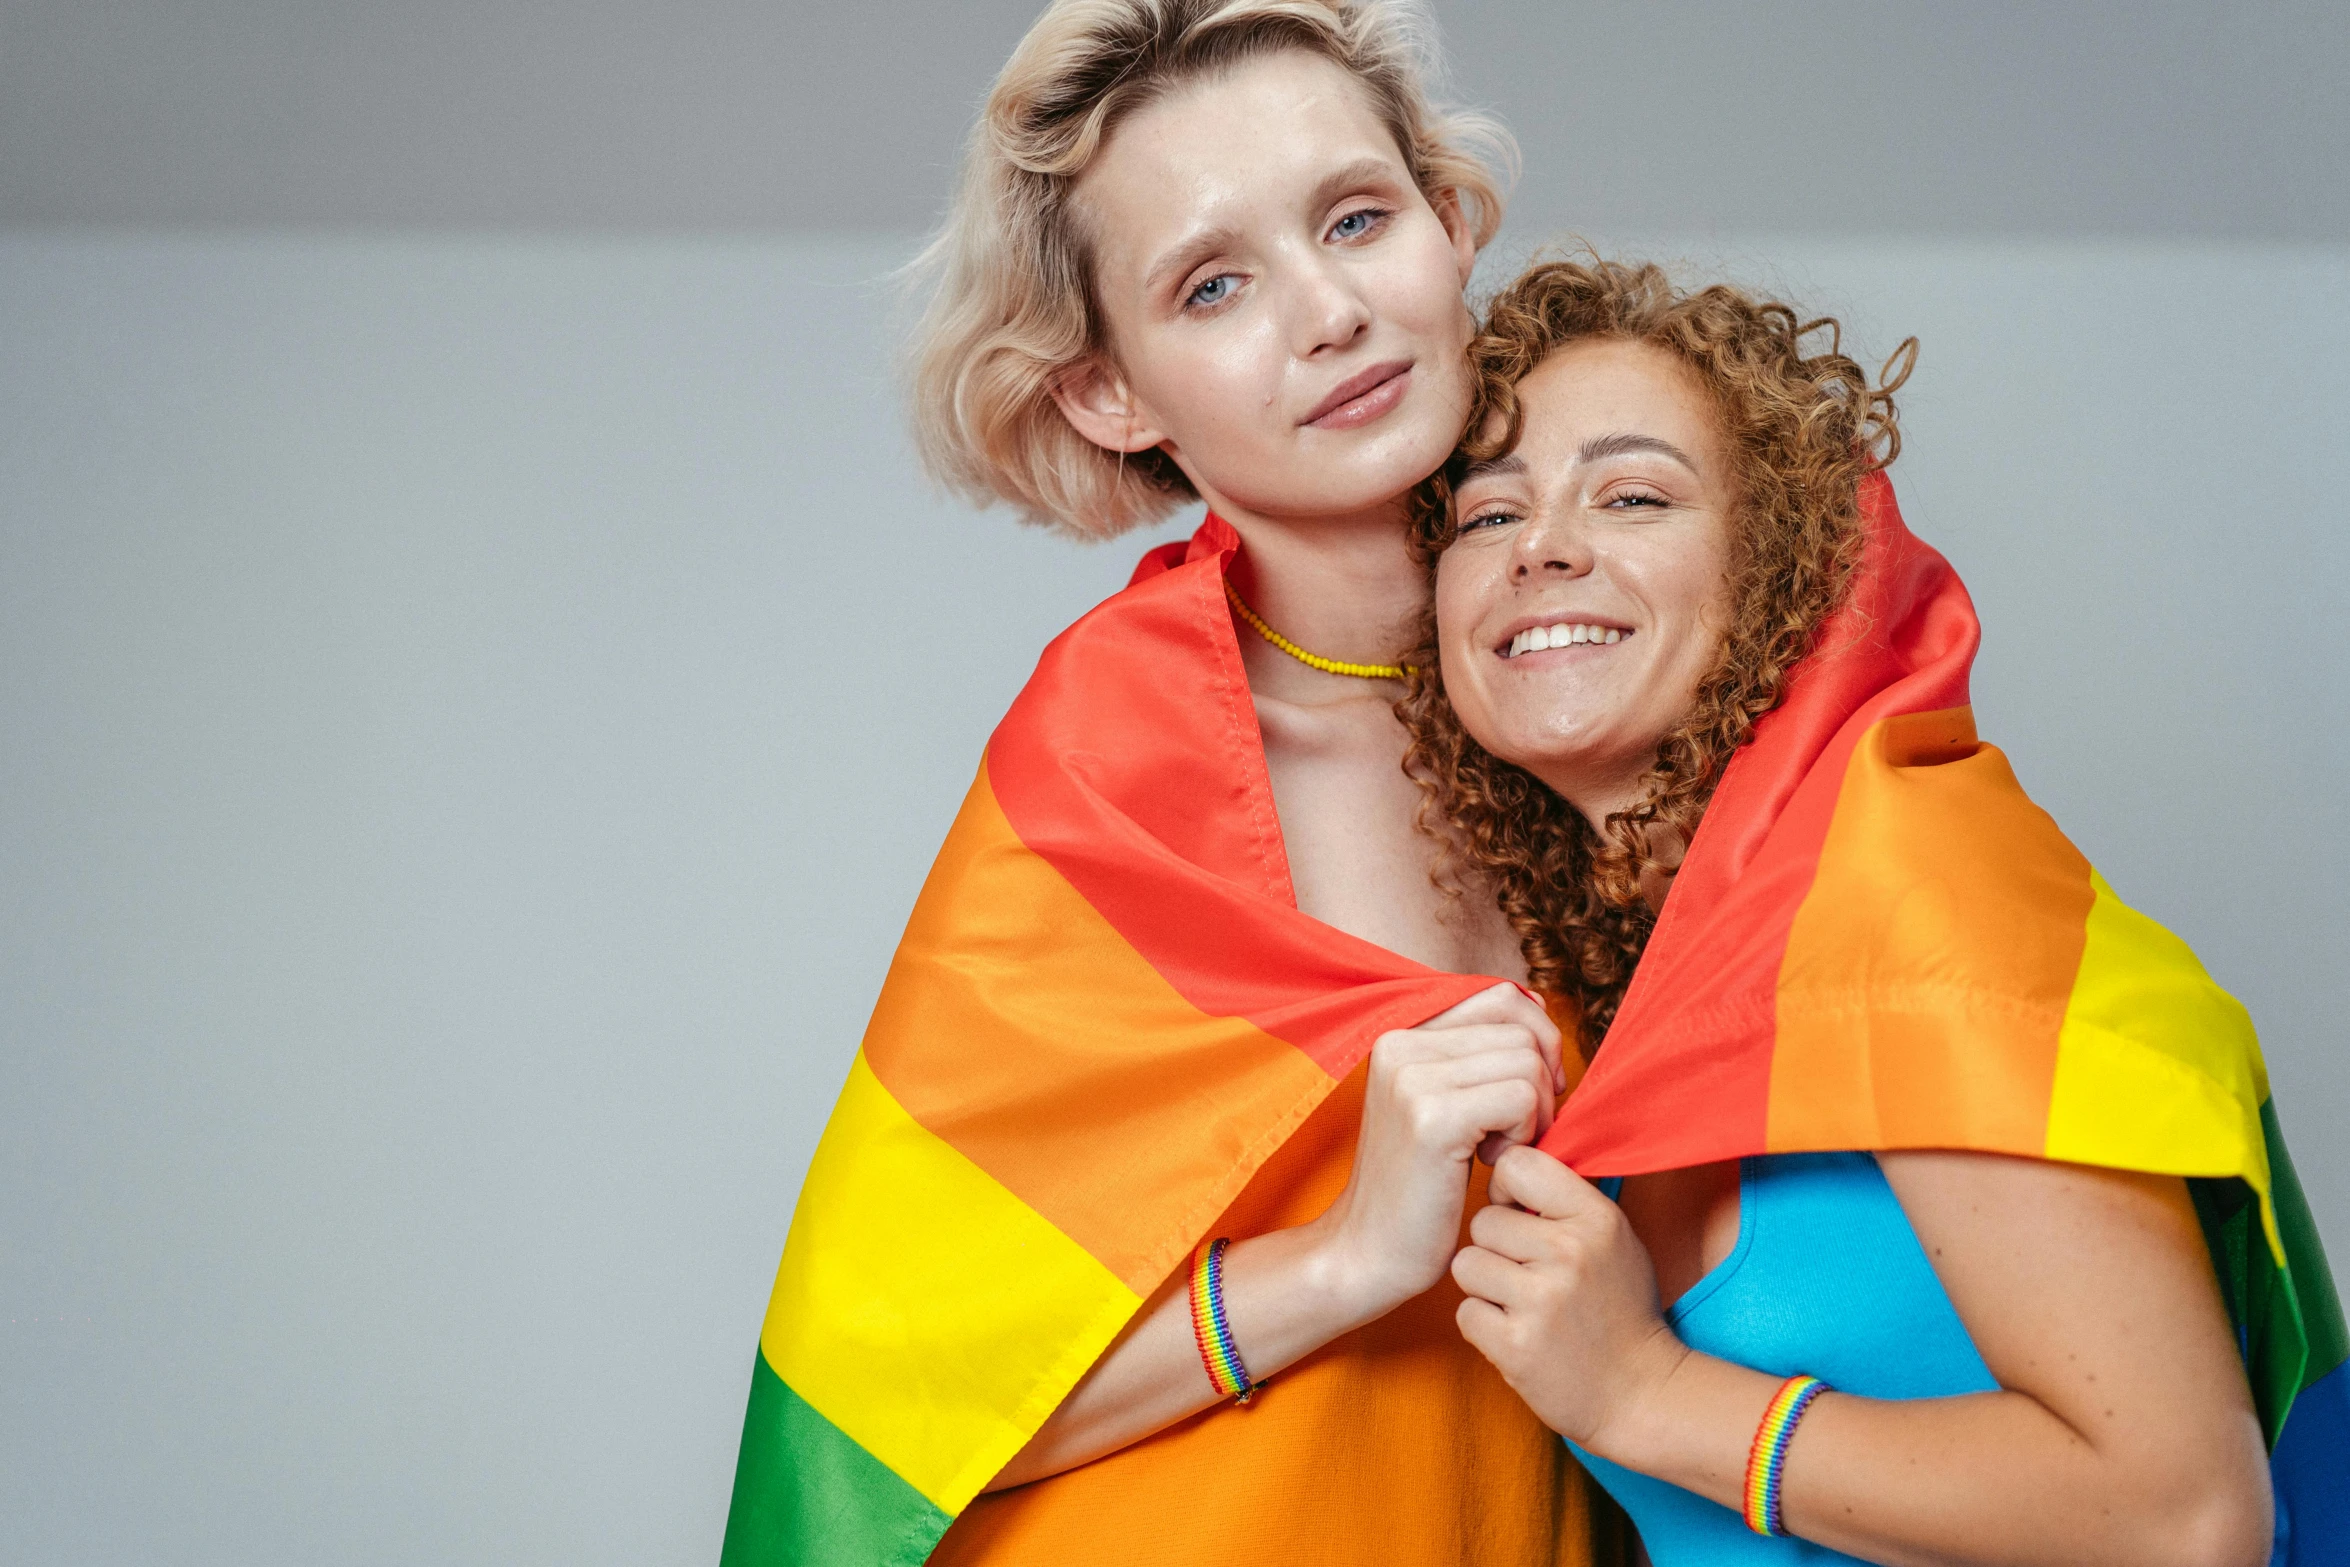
[2123,1432]
[1484,1074]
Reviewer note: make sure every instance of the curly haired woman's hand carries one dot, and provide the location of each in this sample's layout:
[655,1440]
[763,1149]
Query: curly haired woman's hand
[1563,1301]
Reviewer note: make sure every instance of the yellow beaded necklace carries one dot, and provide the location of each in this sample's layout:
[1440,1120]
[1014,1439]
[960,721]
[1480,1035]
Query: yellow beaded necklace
[1328,666]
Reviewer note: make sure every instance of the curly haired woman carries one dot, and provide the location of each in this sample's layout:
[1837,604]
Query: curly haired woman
[1891,1256]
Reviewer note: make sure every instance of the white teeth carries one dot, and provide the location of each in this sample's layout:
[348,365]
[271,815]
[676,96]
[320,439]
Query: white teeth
[1535,639]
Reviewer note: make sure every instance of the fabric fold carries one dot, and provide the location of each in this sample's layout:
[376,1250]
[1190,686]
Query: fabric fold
[1877,942]
[1106,1014]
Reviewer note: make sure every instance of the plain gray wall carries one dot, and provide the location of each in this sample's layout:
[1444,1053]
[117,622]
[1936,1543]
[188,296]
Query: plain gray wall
[2159,118]
[475,714]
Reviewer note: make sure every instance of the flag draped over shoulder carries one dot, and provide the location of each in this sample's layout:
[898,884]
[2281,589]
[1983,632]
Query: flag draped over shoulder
[1106,1013]
[1878,942]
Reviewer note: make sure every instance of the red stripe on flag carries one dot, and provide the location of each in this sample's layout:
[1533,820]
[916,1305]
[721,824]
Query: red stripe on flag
[1132,763]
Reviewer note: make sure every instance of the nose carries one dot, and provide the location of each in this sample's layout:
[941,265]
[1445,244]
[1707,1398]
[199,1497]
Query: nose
[1326,311]
[1549,546]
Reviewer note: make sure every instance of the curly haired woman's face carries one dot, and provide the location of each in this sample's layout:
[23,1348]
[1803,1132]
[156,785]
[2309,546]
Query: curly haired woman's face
[1283,304]
[1586,596]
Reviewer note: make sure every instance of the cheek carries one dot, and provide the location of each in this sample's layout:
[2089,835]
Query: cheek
[1481,718]
[1700,617]
[1460,595]
[1463,592]
[1210,390]
[1685,583]
[1419,288]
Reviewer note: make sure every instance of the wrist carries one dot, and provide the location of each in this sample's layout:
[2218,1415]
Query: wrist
[1638,1429]
[1344,1277]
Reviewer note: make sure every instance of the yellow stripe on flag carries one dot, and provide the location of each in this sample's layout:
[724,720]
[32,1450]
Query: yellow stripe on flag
[923,1309]
[2157,1068]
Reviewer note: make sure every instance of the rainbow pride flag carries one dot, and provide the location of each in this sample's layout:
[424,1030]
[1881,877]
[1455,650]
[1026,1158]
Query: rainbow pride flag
[1106,1013]
[1878,942]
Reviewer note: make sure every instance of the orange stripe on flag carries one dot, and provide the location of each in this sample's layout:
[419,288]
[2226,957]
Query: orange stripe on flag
[1019,1026]
[1929,967]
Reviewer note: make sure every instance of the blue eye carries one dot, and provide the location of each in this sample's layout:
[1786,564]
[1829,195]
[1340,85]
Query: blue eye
[1213,292]
[1489,519]
[1356,224]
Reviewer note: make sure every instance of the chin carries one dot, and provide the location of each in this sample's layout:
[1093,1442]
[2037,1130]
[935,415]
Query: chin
[1373,468]
[1349,490]
[1381,470]
[1545,745]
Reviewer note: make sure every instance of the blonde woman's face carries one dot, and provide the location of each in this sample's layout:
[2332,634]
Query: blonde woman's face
[1283,304]
[1586,595]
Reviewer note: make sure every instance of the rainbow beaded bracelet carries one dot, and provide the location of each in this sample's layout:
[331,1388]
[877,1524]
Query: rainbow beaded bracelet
[1767,1459]
[1210,1328]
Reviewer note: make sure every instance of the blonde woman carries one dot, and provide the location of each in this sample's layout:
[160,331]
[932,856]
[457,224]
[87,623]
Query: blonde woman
[1180,1078]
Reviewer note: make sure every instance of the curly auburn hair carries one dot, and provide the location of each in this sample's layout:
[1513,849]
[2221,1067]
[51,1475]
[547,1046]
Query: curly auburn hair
[1803,428]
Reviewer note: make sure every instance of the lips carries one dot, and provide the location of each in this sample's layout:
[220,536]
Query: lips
[1361,398]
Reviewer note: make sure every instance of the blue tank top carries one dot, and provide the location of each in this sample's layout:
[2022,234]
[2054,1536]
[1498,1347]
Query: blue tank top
[1827,1278]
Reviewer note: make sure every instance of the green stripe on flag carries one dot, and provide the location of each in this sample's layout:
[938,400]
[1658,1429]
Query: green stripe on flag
[2288,1320]
[2305,1255]
[804,1492]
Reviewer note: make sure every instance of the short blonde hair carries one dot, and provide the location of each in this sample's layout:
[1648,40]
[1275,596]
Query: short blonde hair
[1012,304]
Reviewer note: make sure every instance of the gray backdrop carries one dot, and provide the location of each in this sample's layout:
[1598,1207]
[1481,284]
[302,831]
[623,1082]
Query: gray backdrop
[475,710]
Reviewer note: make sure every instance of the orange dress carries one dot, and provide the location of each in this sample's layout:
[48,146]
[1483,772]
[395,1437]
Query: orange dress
[1396,1443]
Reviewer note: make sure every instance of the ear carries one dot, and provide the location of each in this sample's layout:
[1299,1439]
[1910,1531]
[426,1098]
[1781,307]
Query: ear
[1447,203]
[1101,407]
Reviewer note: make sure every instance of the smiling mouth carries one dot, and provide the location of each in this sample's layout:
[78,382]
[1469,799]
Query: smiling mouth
[1537,639]
[1360,399]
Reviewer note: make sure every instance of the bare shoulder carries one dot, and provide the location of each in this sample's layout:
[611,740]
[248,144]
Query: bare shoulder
[1959,1200]
[2017,1239]
[2073,1281]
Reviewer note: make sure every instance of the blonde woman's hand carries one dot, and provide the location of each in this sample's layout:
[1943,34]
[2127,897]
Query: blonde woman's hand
[1475,1079]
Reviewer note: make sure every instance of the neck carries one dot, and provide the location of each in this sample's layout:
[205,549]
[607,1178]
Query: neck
[1599,798]
[1597,792]
[1343,586]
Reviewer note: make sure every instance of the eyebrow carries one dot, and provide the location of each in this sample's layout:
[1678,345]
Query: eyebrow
[1197,246]
[1187,253]
[1509,464]
[1363,171]
[1600,446]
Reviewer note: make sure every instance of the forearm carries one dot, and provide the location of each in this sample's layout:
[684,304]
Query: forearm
[1985,1480]
[1286,1294]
